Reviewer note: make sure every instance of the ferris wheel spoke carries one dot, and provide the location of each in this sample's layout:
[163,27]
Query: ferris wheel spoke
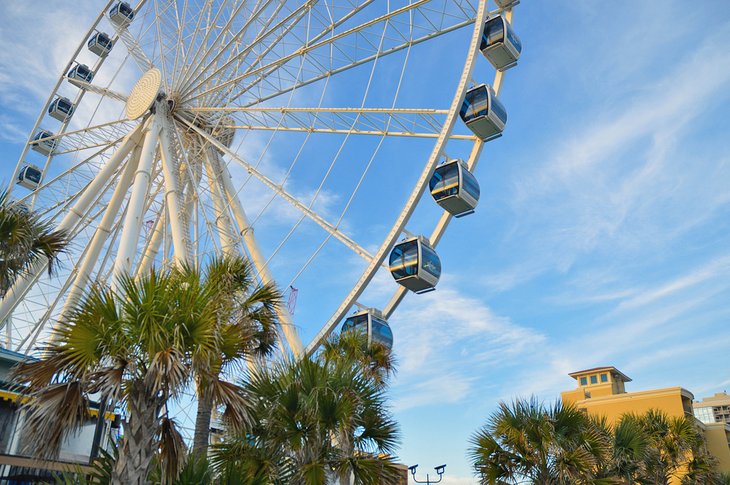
[134,49]
[102,135]
[192,43]
[74,178]
[198,63]
[204,75]
[93,88]
[419,123]
[271,38]
[412,24]
[180,25]
[211,22]
[168,39]
[279,190]
[78,277]
[91,215]
[160,38]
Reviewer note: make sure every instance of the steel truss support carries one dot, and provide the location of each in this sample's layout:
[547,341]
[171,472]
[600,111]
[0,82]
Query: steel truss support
[102,233]
[222,219]
[172,193]
[259,262]
[135,210]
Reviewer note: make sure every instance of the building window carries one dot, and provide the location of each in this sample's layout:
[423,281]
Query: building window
[604,377]
[704,414]
[594,379]
[583,381]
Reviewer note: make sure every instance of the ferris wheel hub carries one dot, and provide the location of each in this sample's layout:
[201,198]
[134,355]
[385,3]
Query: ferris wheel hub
[144,93]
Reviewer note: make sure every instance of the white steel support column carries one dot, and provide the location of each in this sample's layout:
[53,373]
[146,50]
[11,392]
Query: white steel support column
[172,196]
[224,176]
[69,221]
[102,232]
[222,219]
[135,209]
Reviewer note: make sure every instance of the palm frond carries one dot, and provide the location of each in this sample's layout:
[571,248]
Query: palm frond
[51,414]
[171,446]
[25,240]
[167,372]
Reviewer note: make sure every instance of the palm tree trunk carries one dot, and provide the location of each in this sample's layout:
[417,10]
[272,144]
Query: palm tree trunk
[138,445]
[345,444]
[202,424]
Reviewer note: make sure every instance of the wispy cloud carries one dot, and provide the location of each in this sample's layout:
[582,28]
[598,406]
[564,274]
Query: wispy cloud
[641,332]
[446,341]
[611,183]
[719,267]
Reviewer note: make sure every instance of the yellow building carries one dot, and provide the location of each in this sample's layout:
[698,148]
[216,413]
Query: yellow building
[601,391]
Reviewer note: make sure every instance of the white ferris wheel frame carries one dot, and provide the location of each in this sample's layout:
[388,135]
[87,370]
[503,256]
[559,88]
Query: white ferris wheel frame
[156,132]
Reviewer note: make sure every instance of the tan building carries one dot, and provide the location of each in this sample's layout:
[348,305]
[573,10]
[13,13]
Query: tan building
[601,391]
[715,409]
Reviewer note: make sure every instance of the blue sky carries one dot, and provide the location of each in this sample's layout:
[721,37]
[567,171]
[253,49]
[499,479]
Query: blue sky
[602,235]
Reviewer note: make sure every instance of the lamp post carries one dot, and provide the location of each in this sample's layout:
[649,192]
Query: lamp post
[439,471]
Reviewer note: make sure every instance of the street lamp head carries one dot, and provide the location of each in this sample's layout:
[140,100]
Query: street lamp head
[440,469]
[413,469]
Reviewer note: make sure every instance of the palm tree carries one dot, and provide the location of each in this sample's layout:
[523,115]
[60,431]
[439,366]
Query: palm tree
[723,479]
[374,359]
[528,441]
[137,346]
[314,421]
[25,240]
[673,441]
[630,446]
[701,468]
[246,328]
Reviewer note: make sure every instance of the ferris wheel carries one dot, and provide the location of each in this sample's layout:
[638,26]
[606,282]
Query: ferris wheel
[301,135]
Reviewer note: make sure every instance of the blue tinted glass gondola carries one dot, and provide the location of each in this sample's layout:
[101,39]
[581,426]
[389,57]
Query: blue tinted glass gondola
[455,188]
[29,177]
[121,14]
[61,108]
[41,144]
[500,45]
[371,323]
[100,44]
[415,265]
[80,72]
[483,113]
